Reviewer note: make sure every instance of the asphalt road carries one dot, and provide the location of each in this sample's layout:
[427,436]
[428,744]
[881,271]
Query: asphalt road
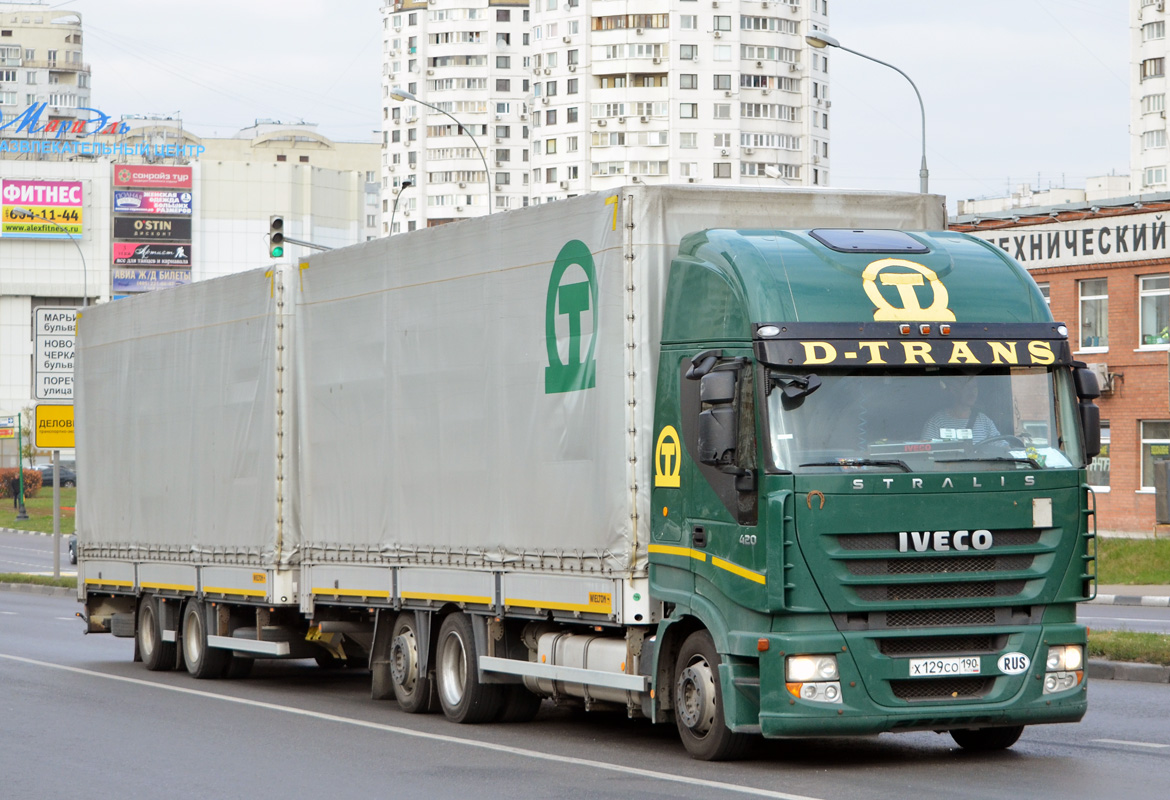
[77,718]
[1143,619]
[20,552]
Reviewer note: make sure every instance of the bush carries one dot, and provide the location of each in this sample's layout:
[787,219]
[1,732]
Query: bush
[10,483]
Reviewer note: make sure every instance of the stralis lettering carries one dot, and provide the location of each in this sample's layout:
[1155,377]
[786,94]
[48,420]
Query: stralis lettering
[922,541]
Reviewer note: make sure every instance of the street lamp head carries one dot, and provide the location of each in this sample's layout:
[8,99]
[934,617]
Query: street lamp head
[405,185]
[398,93]
[820,39]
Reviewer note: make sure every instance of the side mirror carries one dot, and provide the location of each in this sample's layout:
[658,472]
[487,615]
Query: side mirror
[1086,384]
[1091,427]
[718,423]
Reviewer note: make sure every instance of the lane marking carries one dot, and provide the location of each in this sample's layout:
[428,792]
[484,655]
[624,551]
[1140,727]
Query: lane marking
[8,613]
[435,737]
[1153,745]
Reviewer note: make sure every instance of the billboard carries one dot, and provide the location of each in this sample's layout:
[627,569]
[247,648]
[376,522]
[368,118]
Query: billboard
[33,209]
[152,201]
[159,229]
[150,176]
[130,280]
[132,254]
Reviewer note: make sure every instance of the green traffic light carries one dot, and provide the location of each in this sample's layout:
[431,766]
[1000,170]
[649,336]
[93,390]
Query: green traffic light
[277,252]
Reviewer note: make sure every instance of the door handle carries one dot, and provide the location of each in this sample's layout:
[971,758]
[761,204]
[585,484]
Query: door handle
[699,536]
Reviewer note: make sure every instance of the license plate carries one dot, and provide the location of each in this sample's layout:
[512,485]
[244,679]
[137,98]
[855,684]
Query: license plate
[941,667]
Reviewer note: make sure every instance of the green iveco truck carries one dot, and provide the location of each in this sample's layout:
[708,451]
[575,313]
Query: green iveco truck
[745,461]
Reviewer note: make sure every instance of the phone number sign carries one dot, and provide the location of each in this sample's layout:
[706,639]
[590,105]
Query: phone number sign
[41,209]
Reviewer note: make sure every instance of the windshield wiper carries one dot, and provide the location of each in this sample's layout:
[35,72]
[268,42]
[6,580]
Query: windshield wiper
[1033,462]
[860,462]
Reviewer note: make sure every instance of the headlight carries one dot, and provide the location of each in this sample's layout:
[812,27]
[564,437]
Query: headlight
[811,668]
[1065,658]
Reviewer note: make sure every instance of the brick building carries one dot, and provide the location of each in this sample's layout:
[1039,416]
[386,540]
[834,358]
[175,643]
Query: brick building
[1105,269]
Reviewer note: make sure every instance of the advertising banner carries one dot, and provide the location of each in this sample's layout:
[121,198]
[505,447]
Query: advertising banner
[132,254]
[41,209]
[151,201]
[144,175]
[159,229]
[128,281]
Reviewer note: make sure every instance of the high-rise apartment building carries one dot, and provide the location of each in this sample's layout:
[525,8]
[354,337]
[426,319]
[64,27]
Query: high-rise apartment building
[573,96]
[1149,154]
[41,61]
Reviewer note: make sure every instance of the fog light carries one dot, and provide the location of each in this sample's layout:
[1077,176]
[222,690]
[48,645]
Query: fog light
[817,691]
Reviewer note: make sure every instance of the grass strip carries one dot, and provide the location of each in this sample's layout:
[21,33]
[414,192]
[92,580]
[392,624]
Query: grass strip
[37,580]
[1133,561]
[40,512]
[1145,648]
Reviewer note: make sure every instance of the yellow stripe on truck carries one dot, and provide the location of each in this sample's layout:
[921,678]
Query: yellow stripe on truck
[699,555]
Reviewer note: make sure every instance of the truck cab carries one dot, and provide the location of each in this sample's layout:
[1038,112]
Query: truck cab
[869,490]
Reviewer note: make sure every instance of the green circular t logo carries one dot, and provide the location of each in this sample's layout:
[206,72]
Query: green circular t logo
[572,300]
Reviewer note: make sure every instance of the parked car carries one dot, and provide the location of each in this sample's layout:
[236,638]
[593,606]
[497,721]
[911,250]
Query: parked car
[73,549]
[68,476]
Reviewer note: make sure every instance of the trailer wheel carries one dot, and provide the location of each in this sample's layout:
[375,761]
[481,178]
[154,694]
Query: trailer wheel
[698,703]
[987,738]
[202,661]
[157,655]
[412,687]
[463,697]
[520,705]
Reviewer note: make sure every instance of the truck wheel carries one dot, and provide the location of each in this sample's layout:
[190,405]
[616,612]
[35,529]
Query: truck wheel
[412,687]
[698,703]
[987,738]
[157,655]
[463,697]
[202,661]
[520,705]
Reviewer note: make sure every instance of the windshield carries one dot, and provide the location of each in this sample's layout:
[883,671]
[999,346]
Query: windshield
[1022,418]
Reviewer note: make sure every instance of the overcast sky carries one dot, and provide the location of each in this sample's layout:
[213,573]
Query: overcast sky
[1015,91]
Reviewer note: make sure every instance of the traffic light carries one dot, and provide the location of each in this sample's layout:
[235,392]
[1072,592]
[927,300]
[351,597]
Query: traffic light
[276,236]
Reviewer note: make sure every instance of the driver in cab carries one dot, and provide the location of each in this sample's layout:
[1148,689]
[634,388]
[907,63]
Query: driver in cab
[959,419]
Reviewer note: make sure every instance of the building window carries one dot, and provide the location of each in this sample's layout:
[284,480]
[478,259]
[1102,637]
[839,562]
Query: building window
[1154,30]
[688,81]
[1094,314]
[281,157]
[722,83]
[722,111]
[1044,289]
[1154,176]
[1155,447]
[1153,68]
[688,52]
[688,22]
[1153,103]
[503,62]
[721,52]
[571,114]
[503,15]
[722,23]
[688,110]
[688,141]
[503,85]
[1153,139]
[1099,467]
[1154,291]
[571,86]
[722,169]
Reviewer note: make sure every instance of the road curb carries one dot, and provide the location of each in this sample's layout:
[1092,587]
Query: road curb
[32,533]
[1130,600]
[1128,671]
[33,588]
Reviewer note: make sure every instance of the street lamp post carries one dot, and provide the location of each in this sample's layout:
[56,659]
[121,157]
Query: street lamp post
[405,185]
[398,93]
[820,39]
[84,269]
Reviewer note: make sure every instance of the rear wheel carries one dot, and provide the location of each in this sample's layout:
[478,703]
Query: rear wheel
[156,654]
[202,661]
[987,738]
[411,685]
[698,703]
[463,697]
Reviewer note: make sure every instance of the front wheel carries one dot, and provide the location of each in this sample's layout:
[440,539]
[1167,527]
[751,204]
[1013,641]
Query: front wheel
[698,703]
[412,686]
[987,738]
[463,698]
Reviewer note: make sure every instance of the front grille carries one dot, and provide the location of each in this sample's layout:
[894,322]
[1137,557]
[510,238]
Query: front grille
[939,591]
[940,618]
[970,645]
[889,541]
[920,566]
[941,688]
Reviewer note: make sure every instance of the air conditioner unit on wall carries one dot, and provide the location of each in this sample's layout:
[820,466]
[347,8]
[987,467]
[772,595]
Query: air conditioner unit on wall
[1104,376]
[602,123]
[572,68]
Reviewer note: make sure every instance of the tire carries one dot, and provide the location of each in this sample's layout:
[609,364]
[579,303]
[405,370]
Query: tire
[156,655]
[464,699]
[985,739]
[238,667]
[520,705]
[202,661]
[413,689]
[698,703]
[68,484]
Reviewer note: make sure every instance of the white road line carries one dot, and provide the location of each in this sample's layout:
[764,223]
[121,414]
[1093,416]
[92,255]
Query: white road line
[1125,619]
[8,613]
[437,737]
[1153,745]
